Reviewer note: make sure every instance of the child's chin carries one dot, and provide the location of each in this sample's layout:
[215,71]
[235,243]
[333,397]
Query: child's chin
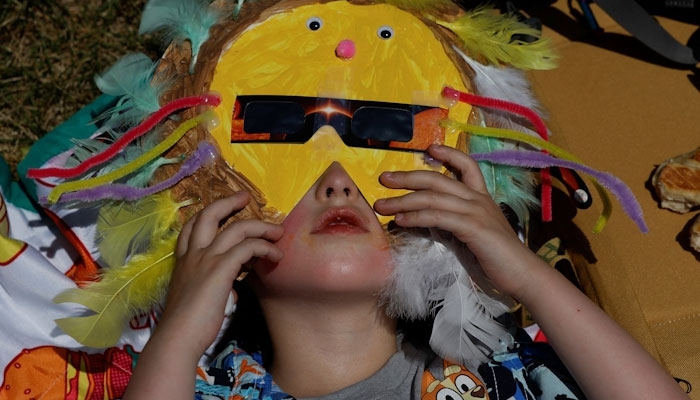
[331,278]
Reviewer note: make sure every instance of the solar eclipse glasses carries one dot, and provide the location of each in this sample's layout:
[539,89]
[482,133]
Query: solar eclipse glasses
[359,123]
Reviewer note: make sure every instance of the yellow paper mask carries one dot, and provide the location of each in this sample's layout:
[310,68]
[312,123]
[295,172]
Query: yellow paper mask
[336,50]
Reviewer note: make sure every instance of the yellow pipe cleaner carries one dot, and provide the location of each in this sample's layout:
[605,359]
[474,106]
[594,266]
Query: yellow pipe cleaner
[544,145]
[144,159]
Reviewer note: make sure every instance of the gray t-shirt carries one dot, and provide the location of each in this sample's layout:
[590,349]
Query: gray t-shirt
[399,378]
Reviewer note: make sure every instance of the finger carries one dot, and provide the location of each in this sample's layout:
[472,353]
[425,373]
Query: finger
[184,237]
[425,180]
[470,173]
[231,261]
[240,230]
[422,200]
[458,224]
[207,223]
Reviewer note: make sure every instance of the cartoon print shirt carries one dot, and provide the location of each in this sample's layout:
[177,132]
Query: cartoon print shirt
[529,371]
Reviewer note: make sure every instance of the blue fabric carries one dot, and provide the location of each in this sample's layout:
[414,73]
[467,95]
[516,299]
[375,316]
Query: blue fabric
[236,373]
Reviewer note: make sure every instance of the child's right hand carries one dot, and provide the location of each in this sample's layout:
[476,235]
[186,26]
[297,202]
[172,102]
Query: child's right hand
[207,265]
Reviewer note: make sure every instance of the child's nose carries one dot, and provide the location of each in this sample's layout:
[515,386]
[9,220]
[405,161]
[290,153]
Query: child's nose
[336,185]
[345,49]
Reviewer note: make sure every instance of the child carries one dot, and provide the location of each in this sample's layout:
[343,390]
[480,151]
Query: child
[317,283]
[308,95]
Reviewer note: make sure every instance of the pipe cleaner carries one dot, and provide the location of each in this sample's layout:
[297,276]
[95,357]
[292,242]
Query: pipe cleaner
[134,165]
[556,150]
[204,155]
[531,159]
[148,124]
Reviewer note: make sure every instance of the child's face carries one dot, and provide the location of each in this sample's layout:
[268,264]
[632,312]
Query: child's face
[332,243]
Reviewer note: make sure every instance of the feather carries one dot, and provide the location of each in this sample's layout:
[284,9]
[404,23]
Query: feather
[429,269]
[237,9]
[125,229]
[465,329]
[509,185]
[501,82]
[504,83]
[205,155]
[180,20]
[489,34]
[421,269]
[130,79]
[120,294]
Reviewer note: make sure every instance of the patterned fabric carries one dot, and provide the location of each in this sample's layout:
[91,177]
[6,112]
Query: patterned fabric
[42,254]
[529,371]
[235,374]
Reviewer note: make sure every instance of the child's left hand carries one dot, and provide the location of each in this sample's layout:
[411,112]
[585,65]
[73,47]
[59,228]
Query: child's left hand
[463,207]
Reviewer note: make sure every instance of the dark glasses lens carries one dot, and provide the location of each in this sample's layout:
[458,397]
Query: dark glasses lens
[273,117]
[383,124]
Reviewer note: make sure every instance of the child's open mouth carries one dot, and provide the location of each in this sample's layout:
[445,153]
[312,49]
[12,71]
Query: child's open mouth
[339,221]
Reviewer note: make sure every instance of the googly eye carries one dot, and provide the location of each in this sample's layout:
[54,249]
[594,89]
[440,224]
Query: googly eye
[314,23]
[464,383]
[448,394]
[385,32]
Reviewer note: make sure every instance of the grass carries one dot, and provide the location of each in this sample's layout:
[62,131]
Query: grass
[50,51]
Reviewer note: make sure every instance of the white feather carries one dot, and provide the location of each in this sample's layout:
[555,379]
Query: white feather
[505,83]
[435,274]
[420,270]
[464,329]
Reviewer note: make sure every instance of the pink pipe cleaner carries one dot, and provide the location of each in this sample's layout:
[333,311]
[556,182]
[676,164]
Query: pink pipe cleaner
[135,132]
[205,154]
[532,159]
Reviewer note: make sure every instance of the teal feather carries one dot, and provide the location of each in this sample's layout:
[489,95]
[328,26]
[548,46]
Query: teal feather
[513,186]
[181,20]
[237,10]
[130,78]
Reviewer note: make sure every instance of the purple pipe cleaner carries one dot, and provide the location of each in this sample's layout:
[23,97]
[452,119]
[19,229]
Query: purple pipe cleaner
[539,160]
[205,154]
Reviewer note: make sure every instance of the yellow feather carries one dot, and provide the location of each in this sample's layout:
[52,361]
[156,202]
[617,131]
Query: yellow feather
[485,32]
[126,228]
[121,294]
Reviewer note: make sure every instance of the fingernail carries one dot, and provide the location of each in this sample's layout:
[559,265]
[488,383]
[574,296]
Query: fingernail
[387,175]
[433,162]
[398,217]
[379,202]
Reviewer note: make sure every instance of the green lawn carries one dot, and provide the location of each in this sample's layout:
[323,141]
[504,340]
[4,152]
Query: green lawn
[50,51]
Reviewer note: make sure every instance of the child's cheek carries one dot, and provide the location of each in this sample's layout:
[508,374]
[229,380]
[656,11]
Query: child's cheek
[326,265]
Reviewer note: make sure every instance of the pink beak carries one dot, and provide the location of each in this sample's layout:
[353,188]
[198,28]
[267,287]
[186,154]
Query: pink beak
[345,49]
